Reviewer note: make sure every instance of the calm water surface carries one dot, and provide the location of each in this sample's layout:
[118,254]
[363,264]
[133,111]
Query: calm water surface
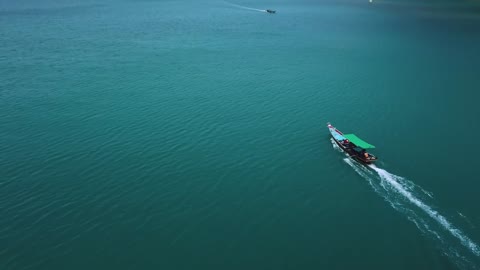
[188,135]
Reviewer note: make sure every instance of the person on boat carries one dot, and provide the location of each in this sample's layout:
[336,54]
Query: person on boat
[366,155]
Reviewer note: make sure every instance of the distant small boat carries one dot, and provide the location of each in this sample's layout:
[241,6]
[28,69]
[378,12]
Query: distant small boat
[354,146]
[271,11]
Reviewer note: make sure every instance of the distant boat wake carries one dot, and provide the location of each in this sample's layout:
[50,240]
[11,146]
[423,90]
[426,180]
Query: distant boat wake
[248,8]
[411,200]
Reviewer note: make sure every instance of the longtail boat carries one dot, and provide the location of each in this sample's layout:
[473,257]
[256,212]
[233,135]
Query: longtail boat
[355,147]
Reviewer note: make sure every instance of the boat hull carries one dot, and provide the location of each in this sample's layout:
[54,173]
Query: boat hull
[353,154]
[348,148]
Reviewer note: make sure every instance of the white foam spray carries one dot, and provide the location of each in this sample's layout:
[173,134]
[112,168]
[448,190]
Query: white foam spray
[404,196]
[335,145]
[394,181]
[248,8]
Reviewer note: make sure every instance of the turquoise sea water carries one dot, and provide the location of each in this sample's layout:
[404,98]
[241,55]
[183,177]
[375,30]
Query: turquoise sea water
[192,134]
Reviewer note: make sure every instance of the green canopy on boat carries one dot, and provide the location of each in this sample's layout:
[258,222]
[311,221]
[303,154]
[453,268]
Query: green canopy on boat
[357,141]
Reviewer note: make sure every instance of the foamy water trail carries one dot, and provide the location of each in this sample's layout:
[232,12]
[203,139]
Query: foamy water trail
[248,8]
[335,145]
[404,196]
[394,181]
[429,194]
